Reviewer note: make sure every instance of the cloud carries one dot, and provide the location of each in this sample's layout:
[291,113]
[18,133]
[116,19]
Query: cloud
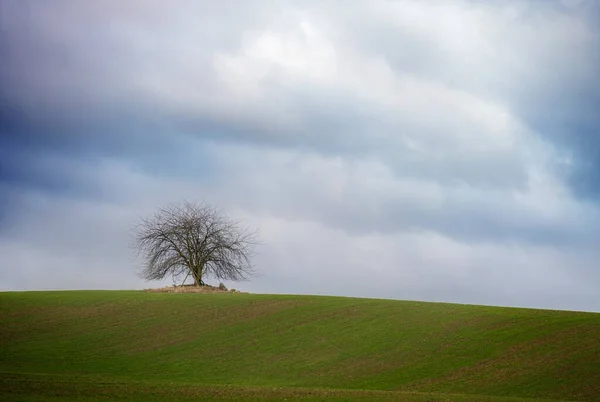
[88,248]
[457,139]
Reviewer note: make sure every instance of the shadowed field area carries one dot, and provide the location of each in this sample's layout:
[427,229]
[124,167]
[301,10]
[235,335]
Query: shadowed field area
[133,345]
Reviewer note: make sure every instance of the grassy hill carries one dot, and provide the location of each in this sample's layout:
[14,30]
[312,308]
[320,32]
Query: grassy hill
[132,345]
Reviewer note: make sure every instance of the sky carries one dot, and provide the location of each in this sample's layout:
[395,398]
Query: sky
[440,150]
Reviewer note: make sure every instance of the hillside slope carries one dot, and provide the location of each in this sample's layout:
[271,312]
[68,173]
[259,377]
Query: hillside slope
[290,342]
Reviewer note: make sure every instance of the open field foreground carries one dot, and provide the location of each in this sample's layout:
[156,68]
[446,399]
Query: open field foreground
[134,345]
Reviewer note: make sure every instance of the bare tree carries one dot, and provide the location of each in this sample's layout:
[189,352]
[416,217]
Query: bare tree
[194,240]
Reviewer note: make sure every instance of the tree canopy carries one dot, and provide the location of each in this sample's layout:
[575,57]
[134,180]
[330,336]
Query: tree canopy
[197,240]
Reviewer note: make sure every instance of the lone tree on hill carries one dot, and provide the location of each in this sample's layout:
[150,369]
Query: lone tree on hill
[194,240]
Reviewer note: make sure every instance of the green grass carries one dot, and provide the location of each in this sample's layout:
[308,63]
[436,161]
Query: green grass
[131,345]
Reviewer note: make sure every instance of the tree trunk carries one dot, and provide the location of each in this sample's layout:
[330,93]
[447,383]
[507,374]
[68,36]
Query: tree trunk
[200,269]
[197,274]
[194,275]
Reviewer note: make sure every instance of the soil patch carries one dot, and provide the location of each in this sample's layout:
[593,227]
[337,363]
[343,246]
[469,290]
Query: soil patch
[193,289]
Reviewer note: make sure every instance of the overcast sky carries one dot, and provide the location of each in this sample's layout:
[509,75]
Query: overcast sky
[427,150]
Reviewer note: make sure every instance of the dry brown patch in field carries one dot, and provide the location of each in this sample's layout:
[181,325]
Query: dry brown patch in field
[191,289]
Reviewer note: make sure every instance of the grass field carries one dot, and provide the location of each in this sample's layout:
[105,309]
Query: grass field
[131,345]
